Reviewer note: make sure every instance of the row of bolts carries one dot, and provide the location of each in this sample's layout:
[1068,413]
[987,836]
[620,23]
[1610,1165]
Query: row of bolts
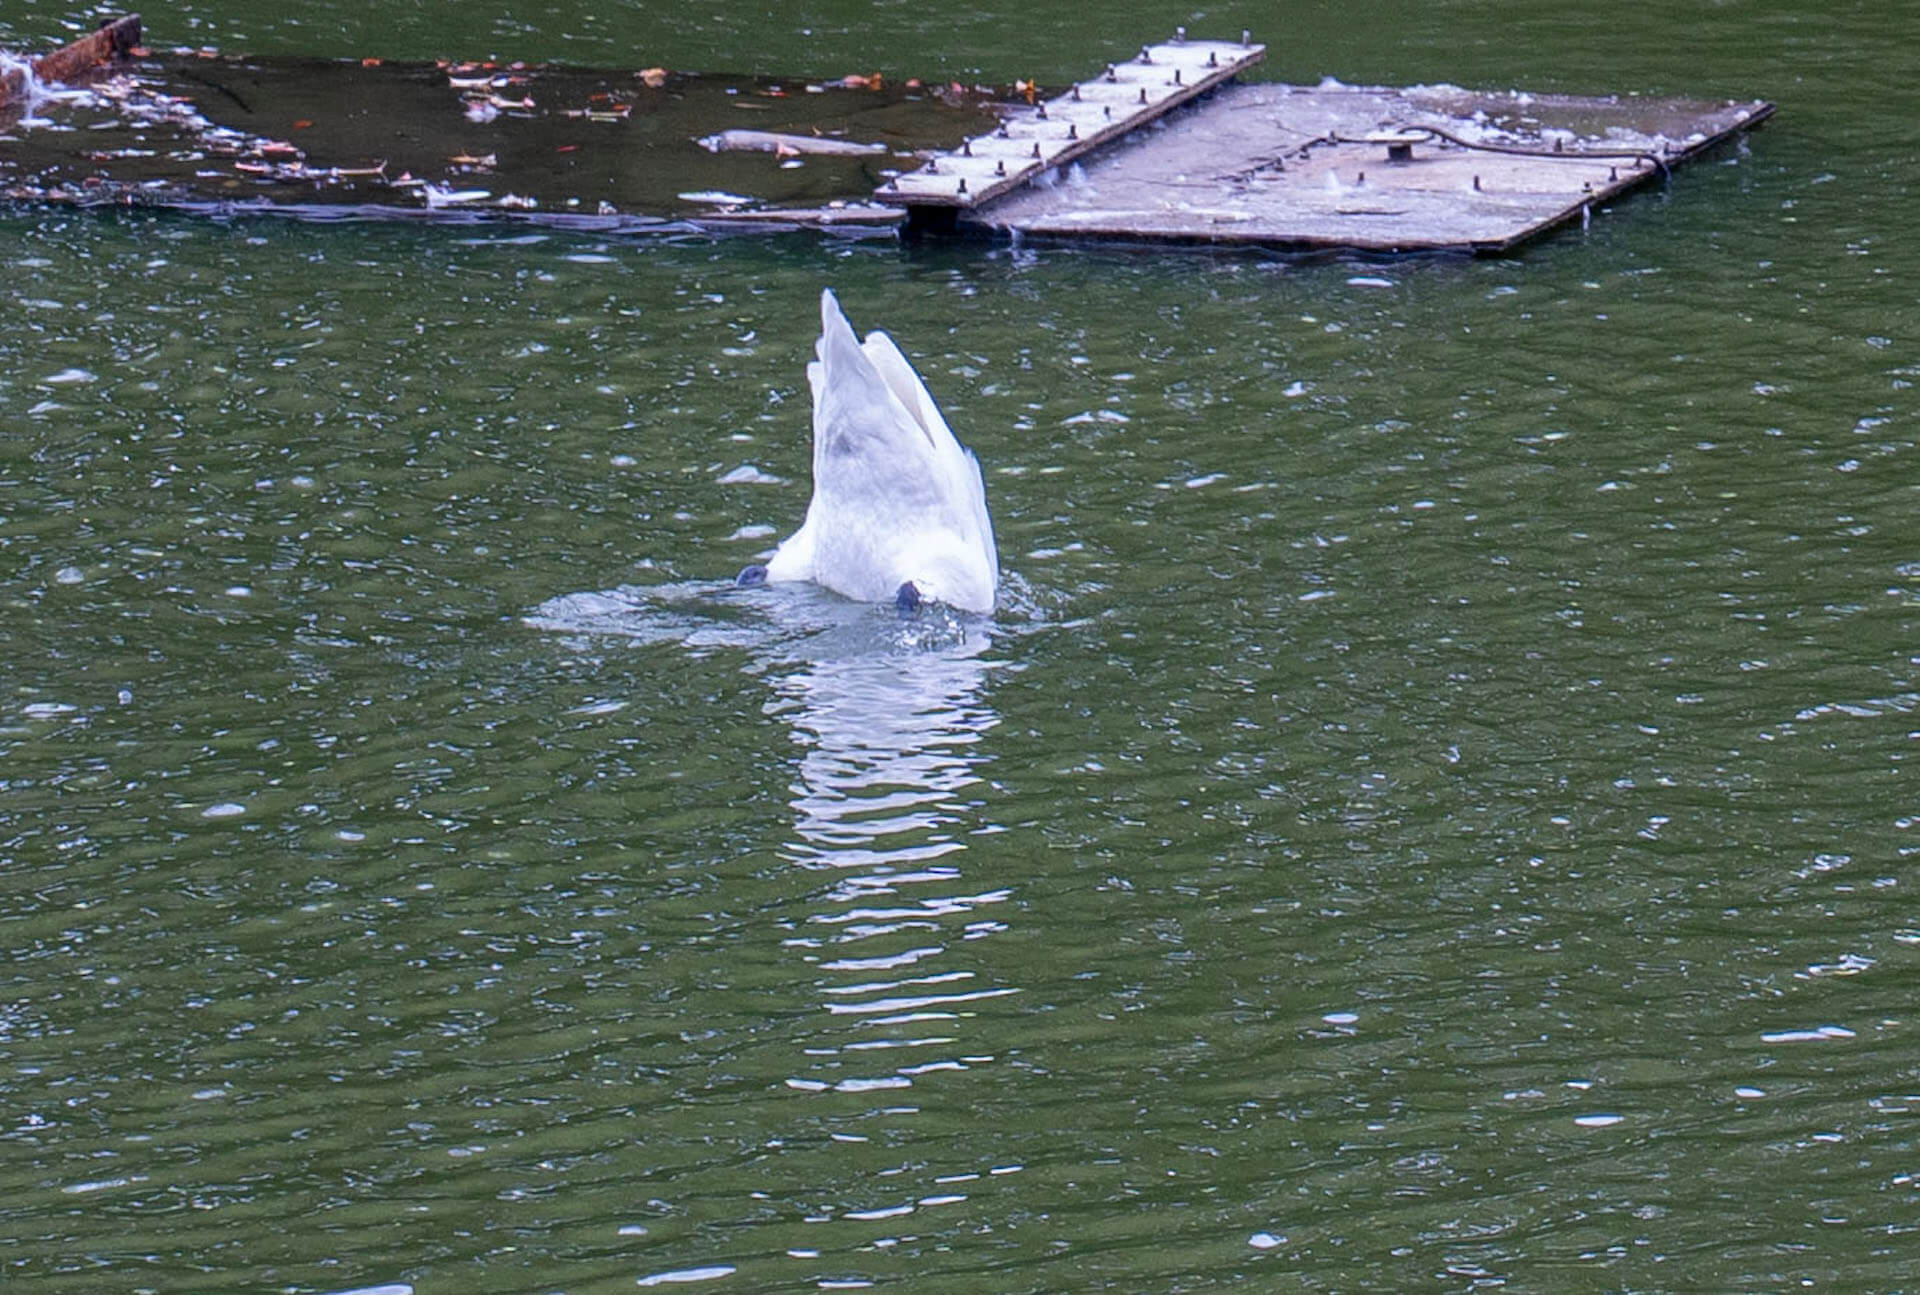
[1073,131]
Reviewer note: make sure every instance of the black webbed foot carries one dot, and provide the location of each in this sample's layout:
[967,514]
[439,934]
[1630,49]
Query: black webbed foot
[907,598]
[750,576]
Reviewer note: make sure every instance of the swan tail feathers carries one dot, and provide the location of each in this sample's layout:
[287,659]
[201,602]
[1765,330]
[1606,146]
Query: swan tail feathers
[855,404]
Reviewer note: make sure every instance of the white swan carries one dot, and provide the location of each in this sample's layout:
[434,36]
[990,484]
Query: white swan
[899,511]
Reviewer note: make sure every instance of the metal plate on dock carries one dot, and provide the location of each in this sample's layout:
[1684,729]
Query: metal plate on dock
[1055,131]
[1370,168]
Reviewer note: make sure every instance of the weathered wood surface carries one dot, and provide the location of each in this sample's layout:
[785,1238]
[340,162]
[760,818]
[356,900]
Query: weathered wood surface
[1296,166]
[114,37]
[1056,130]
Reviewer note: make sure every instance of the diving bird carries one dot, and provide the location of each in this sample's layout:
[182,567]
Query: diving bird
[899,511]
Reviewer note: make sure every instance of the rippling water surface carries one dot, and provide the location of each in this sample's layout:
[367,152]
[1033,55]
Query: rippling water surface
[1427,813]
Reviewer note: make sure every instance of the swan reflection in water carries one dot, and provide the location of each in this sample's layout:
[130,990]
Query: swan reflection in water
[890,711]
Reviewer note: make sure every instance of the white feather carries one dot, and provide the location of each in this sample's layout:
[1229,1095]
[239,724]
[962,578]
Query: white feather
[895,497]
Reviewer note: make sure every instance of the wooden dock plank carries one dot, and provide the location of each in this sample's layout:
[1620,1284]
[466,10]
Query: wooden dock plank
[1056,131]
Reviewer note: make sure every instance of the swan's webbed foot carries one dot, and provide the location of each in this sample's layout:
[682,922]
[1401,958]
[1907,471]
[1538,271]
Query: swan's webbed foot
[749,576]
[907,598]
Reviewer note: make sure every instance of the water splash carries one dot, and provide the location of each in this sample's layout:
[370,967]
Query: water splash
[21,83]
[26,92]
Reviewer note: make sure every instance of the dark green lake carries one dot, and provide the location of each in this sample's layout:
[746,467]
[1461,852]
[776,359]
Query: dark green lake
[1427,815]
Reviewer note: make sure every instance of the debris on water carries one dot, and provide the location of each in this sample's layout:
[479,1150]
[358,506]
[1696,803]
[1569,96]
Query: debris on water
[439,196]
[717,197]
[767,141]
[640,149]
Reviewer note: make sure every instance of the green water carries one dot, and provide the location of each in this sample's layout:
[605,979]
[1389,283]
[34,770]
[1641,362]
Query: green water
[1428,814]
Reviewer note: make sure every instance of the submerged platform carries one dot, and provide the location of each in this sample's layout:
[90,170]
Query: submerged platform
[1370,168]
[1163,145]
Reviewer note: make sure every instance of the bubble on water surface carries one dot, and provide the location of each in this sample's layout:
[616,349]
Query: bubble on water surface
[749,475]
[1817,1035]
[681,1276]
[46,709]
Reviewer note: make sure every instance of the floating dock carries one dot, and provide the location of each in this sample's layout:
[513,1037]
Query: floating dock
[1367,168]
[1167,145]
